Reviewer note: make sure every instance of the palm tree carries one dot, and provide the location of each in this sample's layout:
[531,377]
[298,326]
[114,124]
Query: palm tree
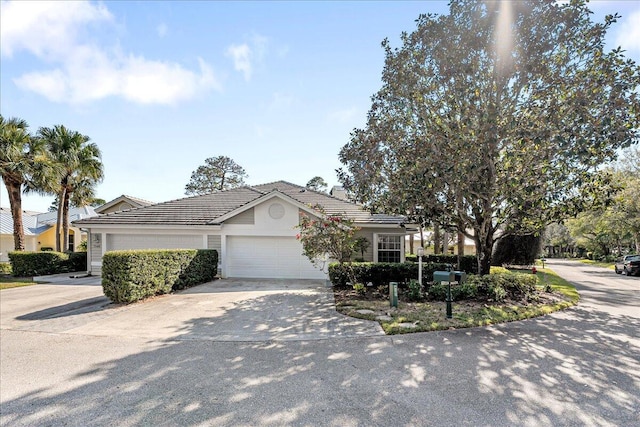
[78,168]
[20,153]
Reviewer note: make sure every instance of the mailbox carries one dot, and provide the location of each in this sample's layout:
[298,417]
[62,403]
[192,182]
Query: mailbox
[443,276]
[459,276]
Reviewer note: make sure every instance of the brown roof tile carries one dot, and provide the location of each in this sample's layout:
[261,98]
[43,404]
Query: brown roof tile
[206,209]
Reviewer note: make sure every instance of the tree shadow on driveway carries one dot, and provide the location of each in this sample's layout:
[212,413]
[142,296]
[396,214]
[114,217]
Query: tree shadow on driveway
[74,308]
[577,367]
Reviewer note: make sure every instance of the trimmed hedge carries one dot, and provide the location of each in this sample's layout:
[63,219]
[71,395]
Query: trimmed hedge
[468,263]
[24,263]
[77,261]
[381,273]
[129,276]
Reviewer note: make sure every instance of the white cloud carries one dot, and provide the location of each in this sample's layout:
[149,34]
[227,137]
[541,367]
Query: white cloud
[46,28]
[629,33]
[344,115]
[247,56]
[241,55]
[84,71]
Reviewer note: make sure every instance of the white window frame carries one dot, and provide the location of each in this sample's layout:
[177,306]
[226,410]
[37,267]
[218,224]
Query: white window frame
[376,240]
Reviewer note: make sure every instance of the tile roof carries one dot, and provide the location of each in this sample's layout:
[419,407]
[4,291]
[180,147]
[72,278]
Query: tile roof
[332,205]
[206,209]
[134,201]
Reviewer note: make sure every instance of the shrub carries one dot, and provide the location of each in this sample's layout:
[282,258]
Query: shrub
[414,292]
[501,286]
[360,288]
[25,263]
[468,263]
[517,250]
[77,262]
[129,276]
[438,291]
[5,268]
[381,273]
[496,286]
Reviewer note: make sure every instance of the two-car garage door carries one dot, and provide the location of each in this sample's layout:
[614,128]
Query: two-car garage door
[268,257]
[260,257]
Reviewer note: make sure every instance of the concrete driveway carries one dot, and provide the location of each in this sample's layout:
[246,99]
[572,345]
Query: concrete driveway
[579,367]
[222,310]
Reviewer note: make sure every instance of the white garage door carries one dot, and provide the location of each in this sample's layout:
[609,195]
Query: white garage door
[268,257]
[152,241]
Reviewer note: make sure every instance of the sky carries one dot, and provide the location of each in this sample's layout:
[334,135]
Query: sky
[161,86]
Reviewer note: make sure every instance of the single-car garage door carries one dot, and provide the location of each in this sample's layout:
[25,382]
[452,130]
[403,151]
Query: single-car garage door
[268,257]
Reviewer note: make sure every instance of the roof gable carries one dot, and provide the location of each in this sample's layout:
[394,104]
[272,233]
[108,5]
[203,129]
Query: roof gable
[214,208]
[133,201]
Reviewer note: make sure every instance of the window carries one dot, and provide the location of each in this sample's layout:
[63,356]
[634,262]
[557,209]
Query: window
[389,248]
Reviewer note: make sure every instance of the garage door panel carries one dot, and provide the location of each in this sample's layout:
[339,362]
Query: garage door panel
[268,257]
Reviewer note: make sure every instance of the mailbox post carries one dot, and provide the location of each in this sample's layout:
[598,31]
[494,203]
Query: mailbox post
[420,254]
[449,276]
[393,294]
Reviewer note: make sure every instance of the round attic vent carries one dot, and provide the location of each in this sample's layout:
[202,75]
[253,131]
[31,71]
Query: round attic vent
[276,211]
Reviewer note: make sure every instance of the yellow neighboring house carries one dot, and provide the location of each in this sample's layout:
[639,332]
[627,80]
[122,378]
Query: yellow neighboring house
[40,230]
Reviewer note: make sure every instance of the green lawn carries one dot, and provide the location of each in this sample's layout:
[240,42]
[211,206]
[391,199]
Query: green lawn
[430,316]
[7,282]
[598,263]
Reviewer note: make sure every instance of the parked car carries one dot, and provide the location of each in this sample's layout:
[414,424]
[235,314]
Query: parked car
[629,265]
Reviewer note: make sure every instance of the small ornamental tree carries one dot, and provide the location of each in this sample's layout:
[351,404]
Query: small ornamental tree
[327,236]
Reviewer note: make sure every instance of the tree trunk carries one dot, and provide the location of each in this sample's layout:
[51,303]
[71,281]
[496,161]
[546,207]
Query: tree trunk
[15,202]
[436,239]
[61,196]
[484,249]
[445,243]
[65,222]
[411,237]
[460,248]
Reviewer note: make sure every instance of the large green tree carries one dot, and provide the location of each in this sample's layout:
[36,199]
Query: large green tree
[77,170]
[614,229]
[317,183]
[20,154]
[217,174]
[495,119]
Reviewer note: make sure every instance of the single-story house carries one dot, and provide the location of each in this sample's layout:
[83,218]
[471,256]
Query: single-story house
[253,228]
[122,203]
[40,230]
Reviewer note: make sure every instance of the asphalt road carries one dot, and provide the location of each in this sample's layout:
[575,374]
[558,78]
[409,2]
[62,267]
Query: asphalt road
[579,367]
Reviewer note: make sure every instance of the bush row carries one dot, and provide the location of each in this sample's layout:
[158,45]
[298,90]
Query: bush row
[468,263]
[24,263]
[381,273]
[129,276]
[496,286]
